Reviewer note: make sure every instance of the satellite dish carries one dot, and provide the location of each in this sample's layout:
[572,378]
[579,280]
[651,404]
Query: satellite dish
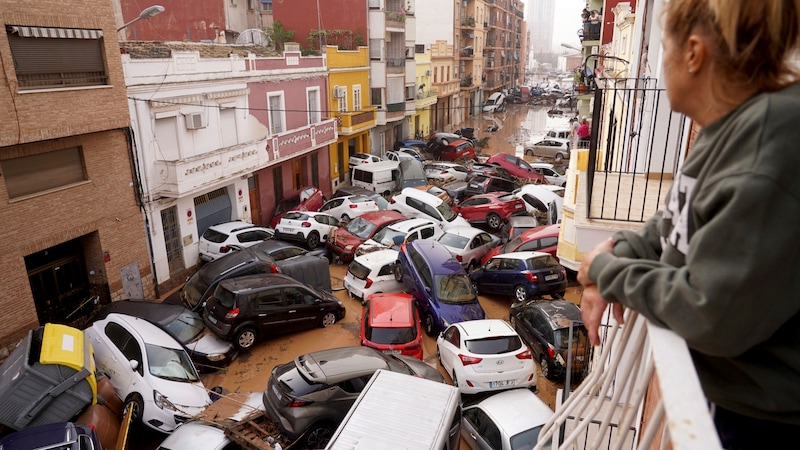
[253,36]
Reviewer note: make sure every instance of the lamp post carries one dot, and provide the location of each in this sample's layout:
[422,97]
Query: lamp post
[572,47]
[146,13]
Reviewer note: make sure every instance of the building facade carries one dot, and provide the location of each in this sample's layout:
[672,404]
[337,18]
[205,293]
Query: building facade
[421,123]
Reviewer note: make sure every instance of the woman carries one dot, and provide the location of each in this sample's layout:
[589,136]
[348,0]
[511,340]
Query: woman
[584,132]
[720,264]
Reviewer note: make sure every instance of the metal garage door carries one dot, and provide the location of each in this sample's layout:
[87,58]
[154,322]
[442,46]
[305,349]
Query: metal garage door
[212,208]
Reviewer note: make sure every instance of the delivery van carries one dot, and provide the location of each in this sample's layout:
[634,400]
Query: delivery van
[399,411]
[383,177]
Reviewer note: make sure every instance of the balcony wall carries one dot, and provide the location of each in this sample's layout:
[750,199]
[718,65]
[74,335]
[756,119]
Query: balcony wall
[355,122]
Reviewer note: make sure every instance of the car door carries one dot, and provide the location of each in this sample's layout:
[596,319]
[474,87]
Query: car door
[114,348]
[270,314]
[479,431]
[478,247]
[489,277]
[303,311]
[474,209]
[332,206]
[449,347]
[530,328]
[508,275]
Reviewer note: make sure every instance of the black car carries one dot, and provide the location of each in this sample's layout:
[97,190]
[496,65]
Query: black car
[545,328]
[484,184]
[456,190]
[206,349]
[245,309]
[345,191]
[270,256]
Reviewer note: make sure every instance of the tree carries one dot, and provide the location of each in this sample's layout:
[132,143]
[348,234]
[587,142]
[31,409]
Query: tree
[279,35]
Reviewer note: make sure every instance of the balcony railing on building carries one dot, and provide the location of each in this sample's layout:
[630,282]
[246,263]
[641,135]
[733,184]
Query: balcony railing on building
[350,122]
[466,81]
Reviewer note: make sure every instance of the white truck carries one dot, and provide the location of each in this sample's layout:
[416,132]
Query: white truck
[398,411]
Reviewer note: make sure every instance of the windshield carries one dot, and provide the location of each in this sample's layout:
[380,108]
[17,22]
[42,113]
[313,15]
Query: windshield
[528,439]
[170,363]
[453,240]
[454,288]
[186,326]
[389,336]
[389,237]
[194,289]
[358,270]
[360,227]
[511,245]
[447,212]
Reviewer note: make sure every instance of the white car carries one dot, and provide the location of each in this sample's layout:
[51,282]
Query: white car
[496,421]
[445,171]
[308,227]
[220,239]
[371,273]
[401,232]
[349,207]
[404,153]
[485,355]
[468,245]
[197,435]
[543,198]
[553,174]
[150,371]
[362,158]
[413,202]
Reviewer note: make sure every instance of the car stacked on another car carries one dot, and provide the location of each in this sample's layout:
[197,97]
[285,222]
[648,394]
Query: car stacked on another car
[345,191]
[220,239]
[460,150]
[437,191]
[485,184]
[371,273]
[492,209]
[344,241]
[521,274]
[362,158]
[308,199]
[346,208]
[517,167]
[415,203]
[540,239]
[395,234]
[390,323]
[443,172]
[468,245]
[553,174]
[516,225]
[309,227]
[404,153]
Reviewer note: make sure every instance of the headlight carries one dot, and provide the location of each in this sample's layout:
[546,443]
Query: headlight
[348,248]
[162,401]
[216,357]
[340,303]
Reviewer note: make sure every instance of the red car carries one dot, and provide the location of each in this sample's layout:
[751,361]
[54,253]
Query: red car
[343,241]
[492,209]
[458,150]
[309,199]
[539,239]
[517,167]
[390,324]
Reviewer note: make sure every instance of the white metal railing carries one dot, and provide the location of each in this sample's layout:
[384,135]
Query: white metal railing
[606,410]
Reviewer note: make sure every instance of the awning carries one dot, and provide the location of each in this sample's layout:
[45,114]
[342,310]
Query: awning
[58,33]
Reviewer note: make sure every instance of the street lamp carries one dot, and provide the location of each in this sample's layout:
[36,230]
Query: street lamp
[572,47]
[146,13]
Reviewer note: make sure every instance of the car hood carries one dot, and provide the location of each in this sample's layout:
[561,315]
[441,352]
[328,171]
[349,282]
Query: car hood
[189,397]
[422,369]
[458,221]
[461,312]
[344,238]
[209,343]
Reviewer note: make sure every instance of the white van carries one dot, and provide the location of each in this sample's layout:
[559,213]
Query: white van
[382,177]
[399,411]
[495,102]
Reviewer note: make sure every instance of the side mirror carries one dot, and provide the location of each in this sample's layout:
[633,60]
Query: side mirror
[134,364]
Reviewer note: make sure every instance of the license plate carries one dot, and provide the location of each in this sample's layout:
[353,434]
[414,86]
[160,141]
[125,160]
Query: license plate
[551,277]
[502,383]
[284,230]
[212,320]
[517,206]
[392,352]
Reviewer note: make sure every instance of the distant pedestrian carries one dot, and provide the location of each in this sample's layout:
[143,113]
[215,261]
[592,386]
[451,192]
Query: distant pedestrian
[584,133]
[573,132]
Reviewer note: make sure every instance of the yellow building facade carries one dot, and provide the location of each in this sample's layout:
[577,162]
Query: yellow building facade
[425,97]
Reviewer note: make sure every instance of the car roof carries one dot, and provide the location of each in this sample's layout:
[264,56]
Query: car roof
[464,230]
[148,332]
[522,221]
[542,165]
[459,142]
[422,195]
[542,231]
[195,435]
[557,312]
[377,258]
[437,255]
[391,310]
[382,217]
[154,311]
[516,410]
[485,327]
[406,225]
[521,255]
[335,365]
[258,281]
[271,245]
[234,225]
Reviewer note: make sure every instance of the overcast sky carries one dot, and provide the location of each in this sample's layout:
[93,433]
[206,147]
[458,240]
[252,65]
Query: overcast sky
[567,22]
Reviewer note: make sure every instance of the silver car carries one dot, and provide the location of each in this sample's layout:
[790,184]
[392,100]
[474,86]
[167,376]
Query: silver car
[550,147]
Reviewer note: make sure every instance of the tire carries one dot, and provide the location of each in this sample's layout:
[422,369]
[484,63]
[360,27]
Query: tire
[528,152]
[559,157]
[547,371]
[398,273]
[318,435]
[494,221]
[312,241]
[519,293]
[328,319]
[245,338]
[134,401]
[429,325]
[345,218]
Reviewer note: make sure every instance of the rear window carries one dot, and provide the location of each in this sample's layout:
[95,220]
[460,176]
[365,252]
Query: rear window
[506,198]
[224,297]
[360,156]
[295,215]
[296,384]
[389,335]
[358,270]
[360,199]
[362,175]
[542,262]
[494,345]
[453,240]
[214,236]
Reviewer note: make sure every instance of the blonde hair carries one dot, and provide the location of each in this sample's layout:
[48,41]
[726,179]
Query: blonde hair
[752,40]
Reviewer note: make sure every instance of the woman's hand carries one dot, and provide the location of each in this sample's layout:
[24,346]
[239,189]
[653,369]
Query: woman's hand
[592,303]
[583,273]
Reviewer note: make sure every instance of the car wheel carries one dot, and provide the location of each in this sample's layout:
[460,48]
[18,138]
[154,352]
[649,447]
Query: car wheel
[559,157]
[312,240]
[245,338]
[429,325]
[319,435]
[345,218]
[494,221]
[328,319]
[398,273]
[528,152]
[136,405]
[547,371]
[520,294]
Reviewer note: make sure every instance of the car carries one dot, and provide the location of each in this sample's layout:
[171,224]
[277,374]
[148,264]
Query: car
[150,370]
[207,350]
[220,239]
[390,323]
[57,436]
[516,225]
[542,200]
[437,191]
[517,167]
[459,150]
[440,286]
[545,328]
[456,190]
[485,355]
[246,309]
[344,191]
[524,275]
[495,103]
[488,169]
[495,421]
[484,184]
[441,138]
[493,209]
[370,273]
[410,143]
[309,227]
[549,147]
[442,171]
[344,241]
[415,203]
[270,256]
[541,239]
[311,395]
[412,173]
[362,158]
[402,231]
[402,153]
[198,435]
[308,199]
[345,208]
[468,245]
[554,174]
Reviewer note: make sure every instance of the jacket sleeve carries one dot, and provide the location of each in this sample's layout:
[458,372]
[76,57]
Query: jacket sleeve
[741,275]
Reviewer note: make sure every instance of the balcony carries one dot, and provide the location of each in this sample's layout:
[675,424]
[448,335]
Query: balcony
[590,31]
[426,98]
[468,22]
[466,82]
[356,121]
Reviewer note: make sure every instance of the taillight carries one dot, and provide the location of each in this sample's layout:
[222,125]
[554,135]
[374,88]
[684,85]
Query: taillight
[274,268]
[368,283]
[224,249]
[459,258]
[305,224]
[467,360]
[530,276]
[353,206]
[232,314]
[444,172]
[525,355]
[295,402]
[551,351]
[391,200]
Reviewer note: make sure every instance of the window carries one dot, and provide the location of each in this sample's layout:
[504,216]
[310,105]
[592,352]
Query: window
[312,95]
[227,121]
[377,97]
[277,183]
[276,113]
[28,175]
[269,299]
[47,58]
[342,105]
[167,138]
[409,93]
[356,97]
[172,239]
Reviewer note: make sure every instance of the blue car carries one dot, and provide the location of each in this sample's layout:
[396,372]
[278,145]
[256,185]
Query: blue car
[59,435]
[524,275]
[441,288]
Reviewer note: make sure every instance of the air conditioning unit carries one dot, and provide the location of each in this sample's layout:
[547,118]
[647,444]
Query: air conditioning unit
[427,73]
[195,121]
[339,91]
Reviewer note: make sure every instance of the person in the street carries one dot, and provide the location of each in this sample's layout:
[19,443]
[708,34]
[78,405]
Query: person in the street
[729,287]
[573,132]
